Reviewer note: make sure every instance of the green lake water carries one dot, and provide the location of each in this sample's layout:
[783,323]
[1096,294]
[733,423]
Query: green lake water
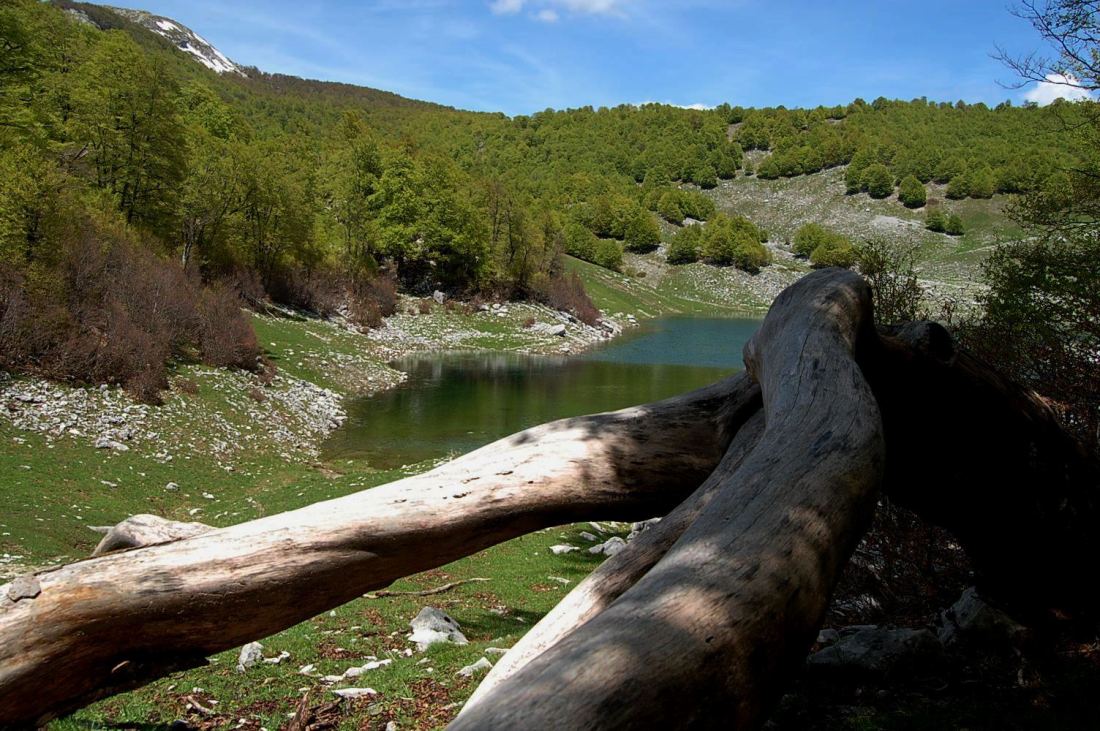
[455,402]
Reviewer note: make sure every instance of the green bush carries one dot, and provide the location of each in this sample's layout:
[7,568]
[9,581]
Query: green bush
[934,220]
[685,245]
[734,241]
[641,233]
[835,252]
[705,176]
[911,192]
[812,236]
[878,181]
[954,225]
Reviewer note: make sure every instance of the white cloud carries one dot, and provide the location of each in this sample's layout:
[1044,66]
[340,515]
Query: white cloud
[1056,86]
[506,7]
[698,106]
[549,9]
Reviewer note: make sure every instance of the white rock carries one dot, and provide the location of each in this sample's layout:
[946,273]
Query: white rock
[353,693]
[495,650]
[172,487]
[589,537]
[251,654]
[562,548]
[108,443]
[432,626]
[610,547]
[374,665]
[481,665]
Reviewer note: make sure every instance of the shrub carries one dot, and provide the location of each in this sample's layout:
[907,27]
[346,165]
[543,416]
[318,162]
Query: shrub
[110,311]
[954,225]
[642,233]
[187,386]
[891,272]
[911,192]
[812,236]
[878,181]
[566,292]
[225,335]
[836,252]
[705,176]
[733,241]
[935,221]
[669,208]
[684,248]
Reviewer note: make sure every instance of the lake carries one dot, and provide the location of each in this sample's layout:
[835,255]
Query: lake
[455,402]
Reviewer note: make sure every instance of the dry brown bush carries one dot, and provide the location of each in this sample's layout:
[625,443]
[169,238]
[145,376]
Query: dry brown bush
[566,292]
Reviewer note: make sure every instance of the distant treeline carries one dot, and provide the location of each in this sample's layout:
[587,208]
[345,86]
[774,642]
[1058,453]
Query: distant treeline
[326,196]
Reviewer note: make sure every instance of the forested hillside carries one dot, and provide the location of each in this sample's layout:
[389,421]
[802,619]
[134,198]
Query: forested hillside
[144,194]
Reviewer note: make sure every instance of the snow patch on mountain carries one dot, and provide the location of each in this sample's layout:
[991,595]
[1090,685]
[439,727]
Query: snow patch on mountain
[184,39]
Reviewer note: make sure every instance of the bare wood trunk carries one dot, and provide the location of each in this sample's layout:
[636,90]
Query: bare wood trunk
[729,612]
[126,618]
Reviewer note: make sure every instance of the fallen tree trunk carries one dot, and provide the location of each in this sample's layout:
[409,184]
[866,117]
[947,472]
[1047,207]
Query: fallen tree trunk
[732,608]
[122,620]
[782,465]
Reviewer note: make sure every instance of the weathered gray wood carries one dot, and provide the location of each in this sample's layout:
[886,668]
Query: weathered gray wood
[121,620]
[146,530]
[708,637]
[618,573]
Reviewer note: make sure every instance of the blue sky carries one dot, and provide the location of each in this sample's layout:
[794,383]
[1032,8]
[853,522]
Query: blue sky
[521,56]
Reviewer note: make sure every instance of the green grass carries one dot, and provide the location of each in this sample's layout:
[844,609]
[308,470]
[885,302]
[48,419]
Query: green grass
[524,585]
[615,292]
[55,488]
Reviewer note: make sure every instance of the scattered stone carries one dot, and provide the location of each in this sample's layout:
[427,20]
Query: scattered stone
[869,651]
[562,548]
[611,547]
[495,650]
[559,579]
[373,665]
[433,626]
[251,654]
[589,537]
[973,619]
[171,487]
[481,665]
[108,443]
[597,527]
[307,669]
[353,693]
[284,655]
[439,297]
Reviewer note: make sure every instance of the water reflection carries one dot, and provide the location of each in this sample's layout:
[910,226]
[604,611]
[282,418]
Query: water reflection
[455,402]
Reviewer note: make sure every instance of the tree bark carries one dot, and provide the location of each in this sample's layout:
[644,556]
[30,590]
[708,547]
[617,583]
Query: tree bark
[698,623]
[124,619]
[729,612]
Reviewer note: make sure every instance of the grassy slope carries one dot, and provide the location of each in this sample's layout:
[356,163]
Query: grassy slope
[54,489]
